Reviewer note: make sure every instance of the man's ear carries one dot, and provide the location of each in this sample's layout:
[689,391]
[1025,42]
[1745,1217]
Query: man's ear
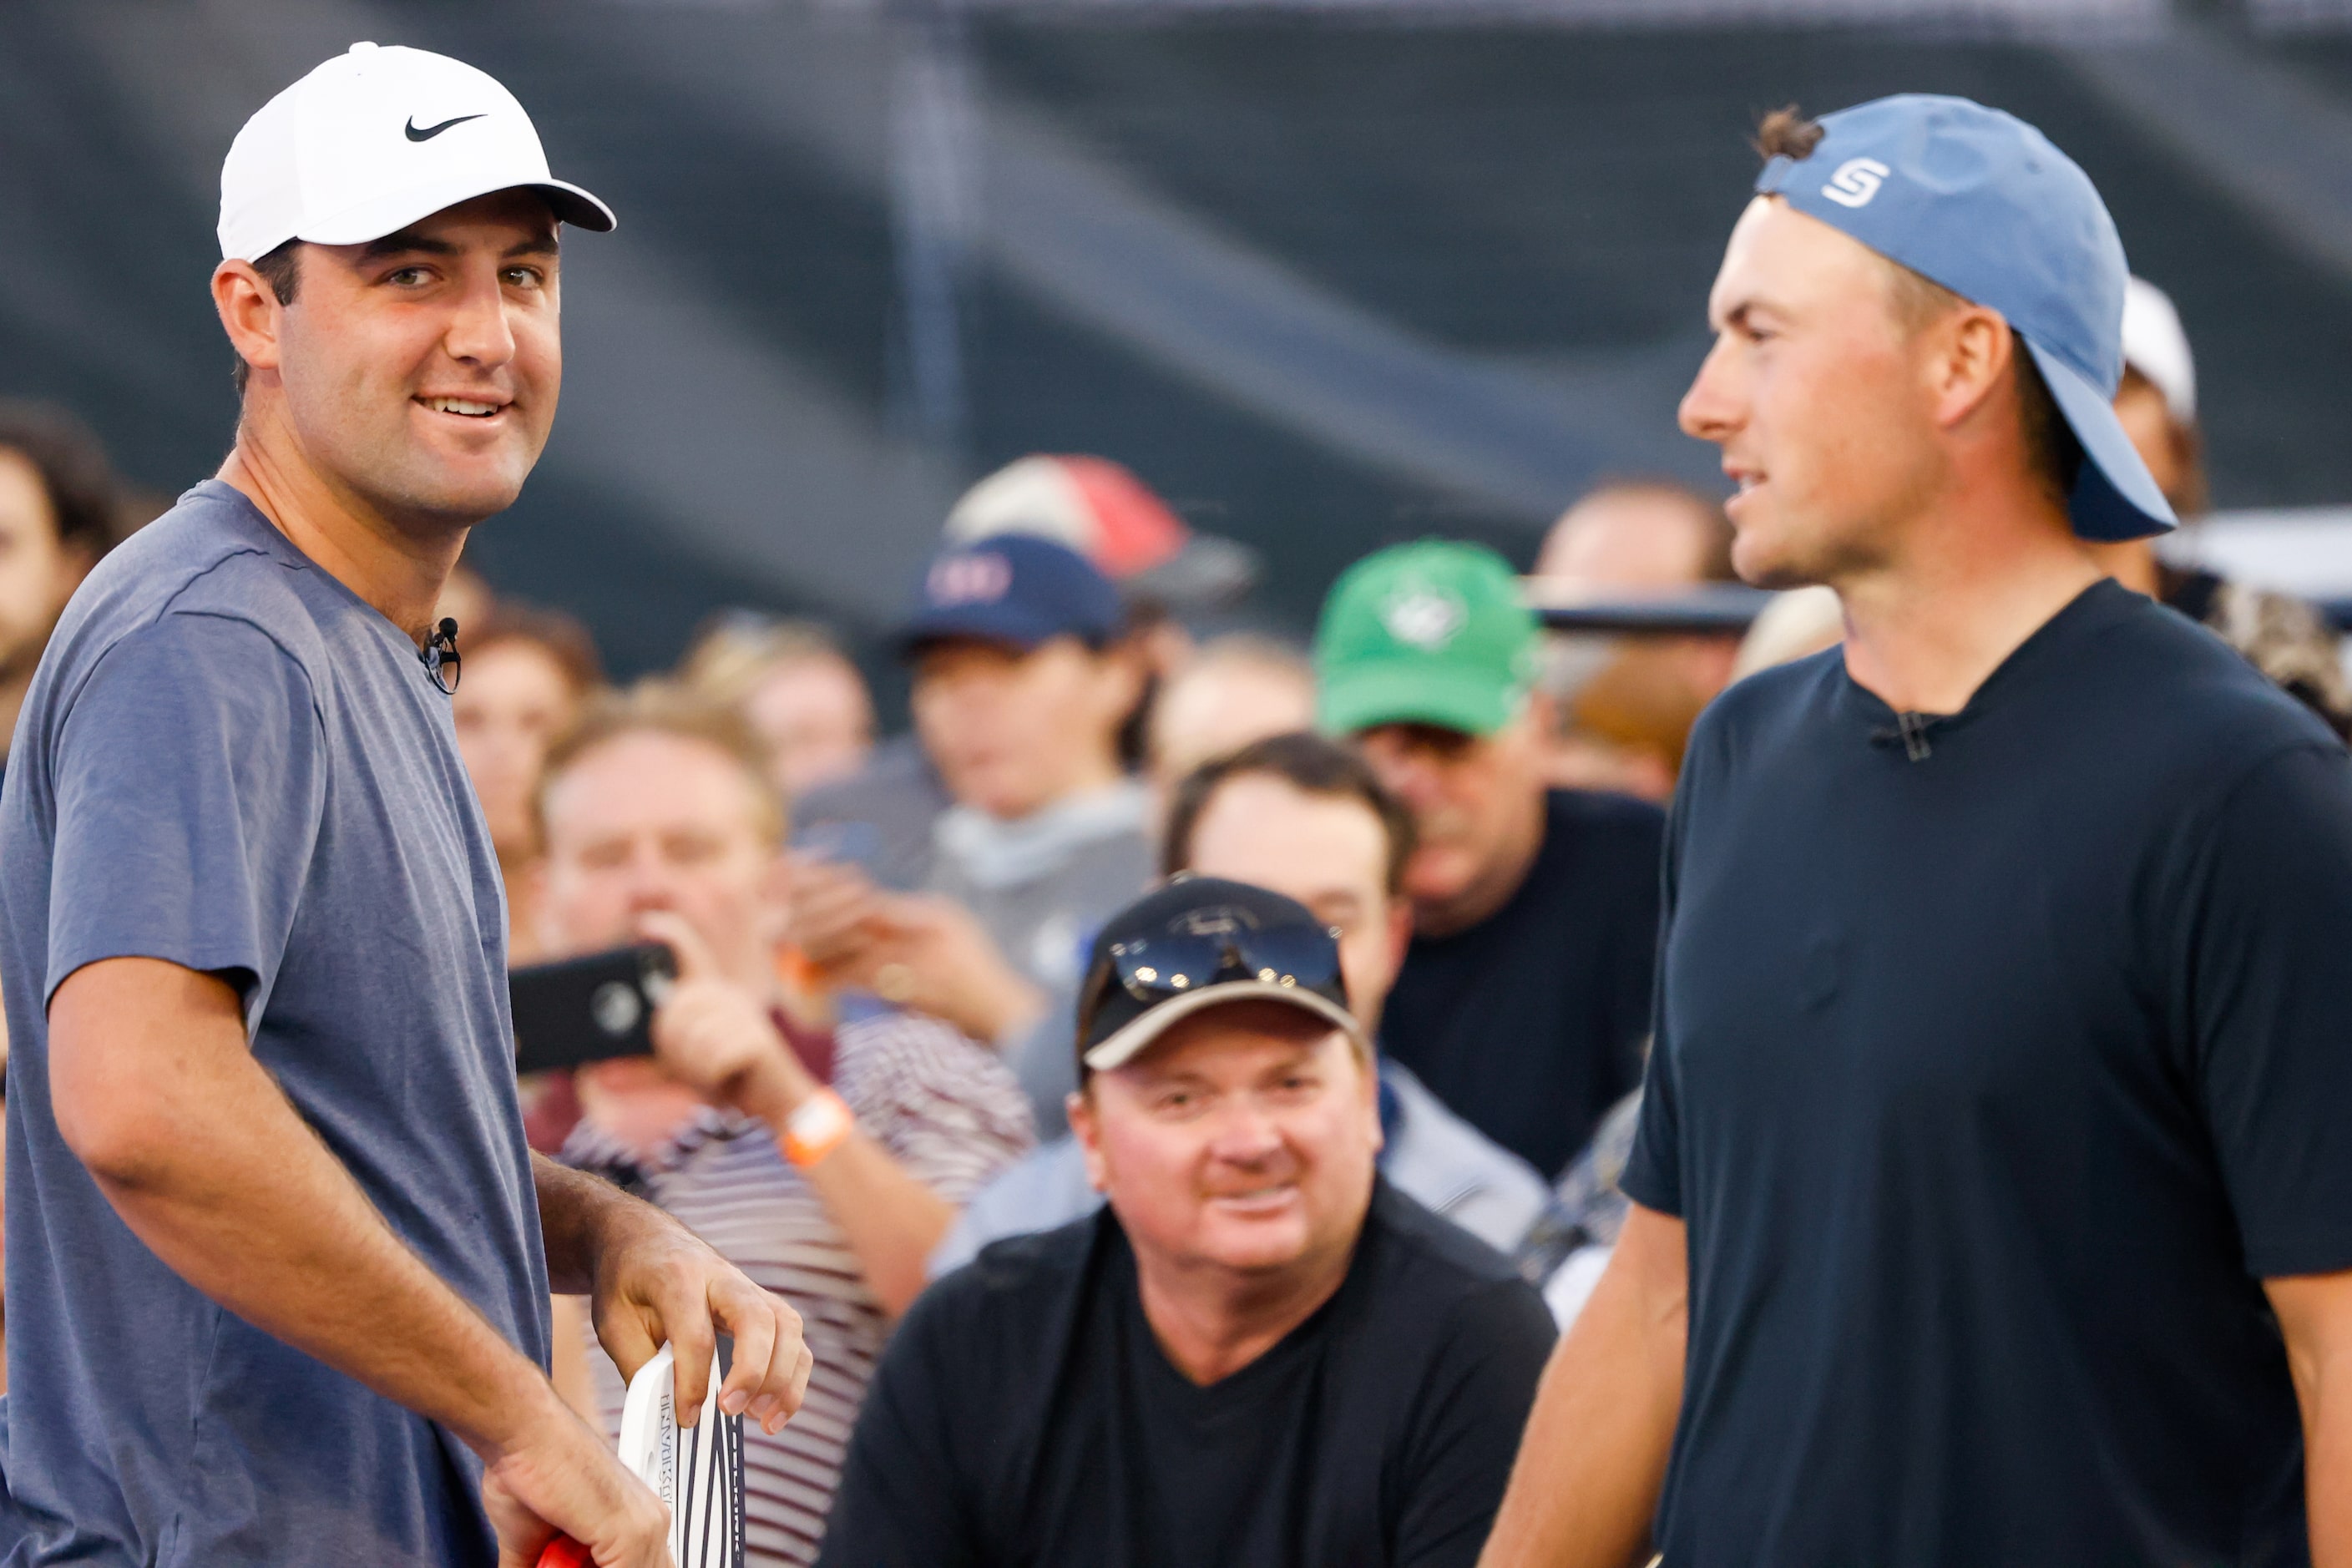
[1973,349]
[249,312]
[1080,1106]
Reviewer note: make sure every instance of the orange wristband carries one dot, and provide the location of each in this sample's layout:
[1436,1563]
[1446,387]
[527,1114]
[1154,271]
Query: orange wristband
[817,1126]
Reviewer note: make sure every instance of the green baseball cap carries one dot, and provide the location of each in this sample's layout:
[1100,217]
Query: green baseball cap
[1431,633]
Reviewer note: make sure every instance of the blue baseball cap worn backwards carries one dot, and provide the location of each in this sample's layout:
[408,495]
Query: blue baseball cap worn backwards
[1014,591]
[1983,204]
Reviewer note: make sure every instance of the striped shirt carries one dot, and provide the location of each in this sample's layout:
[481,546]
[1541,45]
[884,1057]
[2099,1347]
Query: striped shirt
[946,1108]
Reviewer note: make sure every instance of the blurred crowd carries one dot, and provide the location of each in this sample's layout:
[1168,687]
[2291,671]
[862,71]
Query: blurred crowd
[903,927]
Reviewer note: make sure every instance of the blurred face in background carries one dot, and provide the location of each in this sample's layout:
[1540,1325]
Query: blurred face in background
[653,821]
[816,718]
[38,572]
[1629,538]
[1013,731]
[1817,393]
[1478,805]
[1331,852]
[2164,444]
[513,699]
[1217,706]
[1241,1143]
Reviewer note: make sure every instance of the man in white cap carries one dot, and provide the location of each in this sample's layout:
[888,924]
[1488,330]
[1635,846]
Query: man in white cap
[279,1284]
[2279,635]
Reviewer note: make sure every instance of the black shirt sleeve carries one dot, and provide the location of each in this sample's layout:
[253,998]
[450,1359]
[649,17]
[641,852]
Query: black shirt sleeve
[2267,926]
[901,1500]
[1468,1429]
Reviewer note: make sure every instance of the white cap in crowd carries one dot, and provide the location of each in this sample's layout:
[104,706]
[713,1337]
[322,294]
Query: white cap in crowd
[2155,346]
[375,140]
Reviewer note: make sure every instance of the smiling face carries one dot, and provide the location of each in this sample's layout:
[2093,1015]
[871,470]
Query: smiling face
[420,373]
[1817,393]
[1242,1140]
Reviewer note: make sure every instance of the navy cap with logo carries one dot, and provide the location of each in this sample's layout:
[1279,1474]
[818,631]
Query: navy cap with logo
[1012,590]
[1985,204]
[1200,942]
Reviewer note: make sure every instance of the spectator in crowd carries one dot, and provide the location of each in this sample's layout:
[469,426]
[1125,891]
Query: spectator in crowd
[1258,1353]
[1021,690]
[1159,567]
[528,672]
[1524,996]
[1988,1196]
[59,514]
[1623,706]
[797,688]
[1236,689]
[2282,636]
[1302,815]
[825,1163]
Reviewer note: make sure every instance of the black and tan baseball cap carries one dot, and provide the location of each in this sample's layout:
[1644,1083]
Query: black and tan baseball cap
[1200,942]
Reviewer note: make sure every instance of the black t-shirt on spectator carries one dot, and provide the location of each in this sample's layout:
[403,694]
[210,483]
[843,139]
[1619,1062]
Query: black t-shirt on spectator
[1025,1415]
[1530,1023]
[2000,1058]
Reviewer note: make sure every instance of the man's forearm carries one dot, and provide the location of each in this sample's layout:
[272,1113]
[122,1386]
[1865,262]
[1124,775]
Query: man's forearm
[1594,1456]
[577,1213]
[214,1170]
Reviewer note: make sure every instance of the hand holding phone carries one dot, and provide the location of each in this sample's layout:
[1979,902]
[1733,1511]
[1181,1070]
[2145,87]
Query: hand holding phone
[589,1009]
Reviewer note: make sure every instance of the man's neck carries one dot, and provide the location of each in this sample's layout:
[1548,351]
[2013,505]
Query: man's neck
[1923,632]
[1211,1322]
[398,571]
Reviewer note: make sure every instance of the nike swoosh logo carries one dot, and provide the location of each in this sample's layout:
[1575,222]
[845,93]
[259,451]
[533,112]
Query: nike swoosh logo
[430,131]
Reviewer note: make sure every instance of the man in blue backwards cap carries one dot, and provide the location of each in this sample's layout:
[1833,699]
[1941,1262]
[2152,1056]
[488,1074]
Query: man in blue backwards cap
[1993,1199]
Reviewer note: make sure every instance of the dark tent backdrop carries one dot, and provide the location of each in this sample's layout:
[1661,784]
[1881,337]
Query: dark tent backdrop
[1326,276]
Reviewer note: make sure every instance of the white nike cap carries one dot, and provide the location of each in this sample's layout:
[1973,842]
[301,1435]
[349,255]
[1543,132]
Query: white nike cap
[373,141]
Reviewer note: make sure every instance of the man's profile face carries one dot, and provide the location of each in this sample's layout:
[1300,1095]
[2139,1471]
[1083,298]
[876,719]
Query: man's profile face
[1467,794]
[38,572]
[1243,1139]
[1329,852]
[1011,730]
[421,371]
[1814,391]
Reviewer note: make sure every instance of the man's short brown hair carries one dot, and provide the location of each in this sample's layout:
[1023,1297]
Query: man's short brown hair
[2052,452]
[1311,764]
[663,708]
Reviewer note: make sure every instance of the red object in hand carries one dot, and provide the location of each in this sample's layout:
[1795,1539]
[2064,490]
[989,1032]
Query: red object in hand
[565,1552]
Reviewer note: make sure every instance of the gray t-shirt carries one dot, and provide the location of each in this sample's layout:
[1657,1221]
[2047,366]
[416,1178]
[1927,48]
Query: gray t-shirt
[228,761]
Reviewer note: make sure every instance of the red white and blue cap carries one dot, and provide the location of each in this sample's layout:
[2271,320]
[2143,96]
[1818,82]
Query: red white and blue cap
[1012,590]
[1985,204]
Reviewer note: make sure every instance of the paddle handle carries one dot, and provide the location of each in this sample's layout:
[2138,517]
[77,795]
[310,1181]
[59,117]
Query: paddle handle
[565,1552]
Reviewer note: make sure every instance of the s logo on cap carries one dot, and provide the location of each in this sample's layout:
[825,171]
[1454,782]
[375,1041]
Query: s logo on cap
[1855,182]
[980,579]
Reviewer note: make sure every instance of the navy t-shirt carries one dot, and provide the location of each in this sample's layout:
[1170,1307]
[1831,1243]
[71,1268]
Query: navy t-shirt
[229,761]
[1024,1416]
[1530,1023]
[2000,1058]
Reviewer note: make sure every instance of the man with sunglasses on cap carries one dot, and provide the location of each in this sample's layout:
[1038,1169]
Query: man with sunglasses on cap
[1992,1201]
[1258,1353]
[278,1286]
